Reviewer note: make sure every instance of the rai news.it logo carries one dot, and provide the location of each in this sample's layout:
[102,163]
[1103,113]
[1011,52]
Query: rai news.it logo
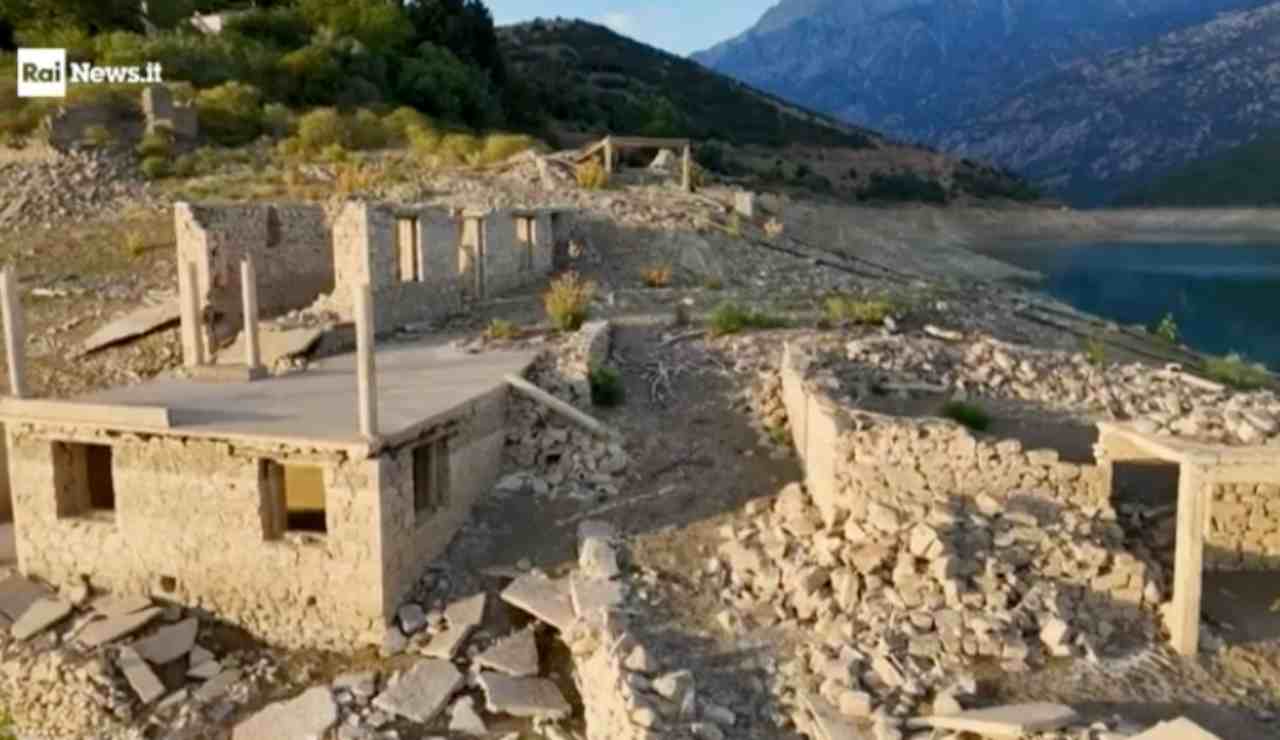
[42,73]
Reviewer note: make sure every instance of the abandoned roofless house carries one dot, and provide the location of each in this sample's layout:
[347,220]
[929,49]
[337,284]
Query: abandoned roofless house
[303,506]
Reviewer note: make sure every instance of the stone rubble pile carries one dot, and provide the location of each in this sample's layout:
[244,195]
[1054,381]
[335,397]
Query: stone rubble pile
[67,188]
[549,455]
[899,605]
[78,667]
[1160,400]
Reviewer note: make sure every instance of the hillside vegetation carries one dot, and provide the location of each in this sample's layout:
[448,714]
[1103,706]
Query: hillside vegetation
[1248,175]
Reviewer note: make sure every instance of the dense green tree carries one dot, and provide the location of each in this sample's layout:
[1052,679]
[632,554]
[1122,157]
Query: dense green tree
[93,16]
[464,27]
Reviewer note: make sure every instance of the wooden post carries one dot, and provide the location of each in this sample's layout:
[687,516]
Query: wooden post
[1193,505]
[15,334]
[249,295]
[367,384]
[192,321]
[608,154]
[686,170]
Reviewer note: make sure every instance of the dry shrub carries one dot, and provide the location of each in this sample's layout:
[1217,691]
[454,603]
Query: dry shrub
[568,301]
[352,178]
[658,276]
[591,175]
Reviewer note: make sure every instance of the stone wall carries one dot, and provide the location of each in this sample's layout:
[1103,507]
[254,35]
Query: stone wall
[854,457]
[188,525]
[6,499]
[366,239]
[1244,528]
[69,125]
[291,246]
[409,542]
[160,111]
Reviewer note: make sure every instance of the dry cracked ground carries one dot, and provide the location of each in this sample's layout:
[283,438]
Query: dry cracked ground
[706,461]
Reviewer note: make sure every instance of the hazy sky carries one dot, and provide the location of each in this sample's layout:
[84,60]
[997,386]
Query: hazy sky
[679,27]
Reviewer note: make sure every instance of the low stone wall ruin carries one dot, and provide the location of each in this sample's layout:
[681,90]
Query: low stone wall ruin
[1244,528]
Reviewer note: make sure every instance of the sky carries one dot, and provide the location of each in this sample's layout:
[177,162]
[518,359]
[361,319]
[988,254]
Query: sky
[679,27]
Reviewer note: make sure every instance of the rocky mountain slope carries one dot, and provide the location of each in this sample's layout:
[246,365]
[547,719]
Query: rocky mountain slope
[1048,83]
[1101,126]
[1244,175]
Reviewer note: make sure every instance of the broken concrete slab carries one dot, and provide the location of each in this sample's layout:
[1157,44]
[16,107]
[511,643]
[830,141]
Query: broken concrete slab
[514,655]
[523,697]
[205,670]
[307,716]
[598,558]
[422,691]
[139,675]
[118,606]
[106,630]
[198,656]
[169,643]
[136,323]
[594,597]
[447,644]
[274,344]
[596,528]
[40,616]
[363,684]
[17,594]
[468,612]
[1178,729]
[466,720]
[1009,721]
[542,597]
[829,723]
[217,686]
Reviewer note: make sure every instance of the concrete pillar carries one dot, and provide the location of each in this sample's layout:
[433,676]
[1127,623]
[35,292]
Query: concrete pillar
[15,334]
[192,321]
[686,170]
[1188,559]
[366,379]
[249,294]
[608,154]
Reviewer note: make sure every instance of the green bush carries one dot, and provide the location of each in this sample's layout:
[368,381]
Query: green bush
[1167,329]
[155,167]
[230,114]
[606,387]
[156,143]
[1095,351]
[591,175]
[320,129]
[844,309]
[284,27]
[277,120]
[402,121]
[967,414]
[98,136]
[502,329]
[1233,370]
[365,130]
[730,318]
[459,148]
[499,147]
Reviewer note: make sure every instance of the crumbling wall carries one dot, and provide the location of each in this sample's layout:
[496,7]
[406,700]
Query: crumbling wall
[409,540]
[508,252]
[854,457]
[1244,528]
[366,249]
[291,246]
[188,525]
[70,124]
[160,111]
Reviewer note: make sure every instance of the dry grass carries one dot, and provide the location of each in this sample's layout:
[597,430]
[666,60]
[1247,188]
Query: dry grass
[658,276]
[501,329]
[568,301]
[591,175]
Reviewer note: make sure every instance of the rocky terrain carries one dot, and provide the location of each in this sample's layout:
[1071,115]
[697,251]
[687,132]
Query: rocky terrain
[734,605]
[1086,98]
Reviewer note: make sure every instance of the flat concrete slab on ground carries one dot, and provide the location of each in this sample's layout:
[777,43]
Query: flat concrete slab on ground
[1178,729]
[514,655]
[133,324]
[40,616]
[274,344]
[421,692]
[523,697]
[169,643]
[542,597]
[118,606]
[1009,721]
[415,383]
[108,630]
[17,593]
[307,716]
[139,675]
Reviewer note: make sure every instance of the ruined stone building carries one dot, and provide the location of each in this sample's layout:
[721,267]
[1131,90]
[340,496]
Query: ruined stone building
[303,506]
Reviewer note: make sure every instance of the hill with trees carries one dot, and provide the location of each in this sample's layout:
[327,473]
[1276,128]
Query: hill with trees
[1248,175]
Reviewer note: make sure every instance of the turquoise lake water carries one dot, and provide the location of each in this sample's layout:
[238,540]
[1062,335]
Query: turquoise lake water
[1224,297]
